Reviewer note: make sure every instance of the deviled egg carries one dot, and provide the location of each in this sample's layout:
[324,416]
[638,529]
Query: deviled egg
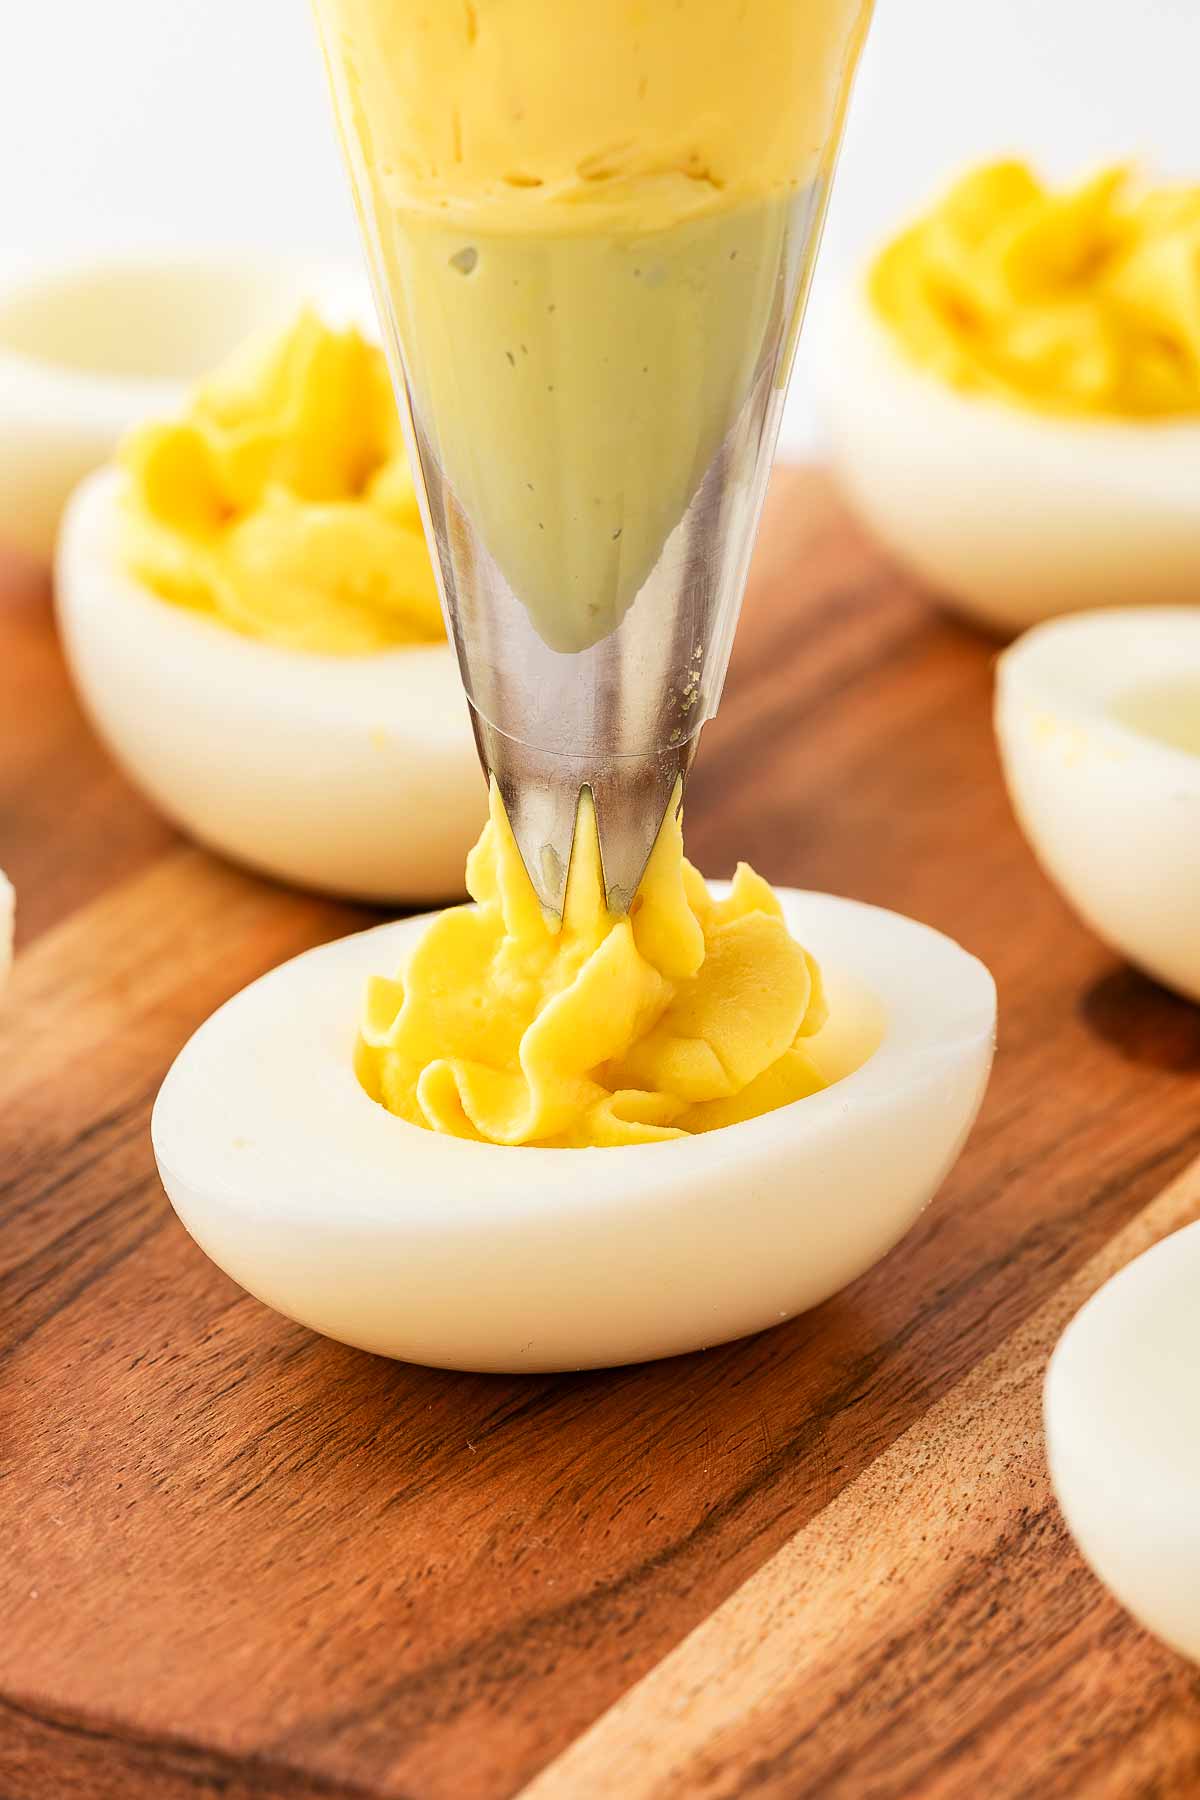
[1123,1436]
[88,350]
[250,614]
[385,1189]
[1098,722]
[1012,392]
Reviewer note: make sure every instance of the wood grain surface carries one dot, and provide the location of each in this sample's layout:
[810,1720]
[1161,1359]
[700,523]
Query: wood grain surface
[236,1559]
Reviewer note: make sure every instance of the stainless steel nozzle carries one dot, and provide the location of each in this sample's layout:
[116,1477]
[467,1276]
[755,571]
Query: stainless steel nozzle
[541,793]
[592,576]
[620,715]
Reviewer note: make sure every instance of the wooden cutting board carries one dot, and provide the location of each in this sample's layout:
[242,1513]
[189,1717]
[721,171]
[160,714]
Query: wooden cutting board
[238,1560]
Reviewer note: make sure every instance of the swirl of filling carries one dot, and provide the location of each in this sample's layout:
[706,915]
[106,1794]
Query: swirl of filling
[686,1014]
[282,504]
[1082,301]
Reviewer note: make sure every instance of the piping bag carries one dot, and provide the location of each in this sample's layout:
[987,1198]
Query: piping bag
[590,227]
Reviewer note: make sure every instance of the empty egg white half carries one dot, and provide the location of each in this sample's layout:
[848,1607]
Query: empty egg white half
[1122,1410]
[473,1256]
[354,775]
[1009,514]
[1098,721]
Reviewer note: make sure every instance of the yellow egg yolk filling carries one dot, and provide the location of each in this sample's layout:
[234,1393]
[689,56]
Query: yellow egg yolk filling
[593,114]
[1081,302]
[282,503]
[686,1014]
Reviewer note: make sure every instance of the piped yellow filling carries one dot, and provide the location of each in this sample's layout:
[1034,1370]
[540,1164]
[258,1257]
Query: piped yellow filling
[686,1014]
[1084,301]
[282,502]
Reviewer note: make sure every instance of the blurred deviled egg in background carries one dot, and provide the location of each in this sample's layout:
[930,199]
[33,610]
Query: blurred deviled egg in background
[1013,395]
[248,608]
[88,349]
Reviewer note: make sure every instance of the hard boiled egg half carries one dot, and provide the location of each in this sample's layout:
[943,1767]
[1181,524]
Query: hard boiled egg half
[1008,514]
[1123,1436]
[248,608]
[1098,721]
[354,775]
[1013,394]
[468,1255]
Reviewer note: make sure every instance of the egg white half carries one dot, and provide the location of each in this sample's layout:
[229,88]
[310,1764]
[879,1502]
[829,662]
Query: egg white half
[1113,815]
[353,775]
[1008,514]
[472,1256]
[1123,1436]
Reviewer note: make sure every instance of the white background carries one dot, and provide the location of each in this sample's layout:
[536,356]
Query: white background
[127,123]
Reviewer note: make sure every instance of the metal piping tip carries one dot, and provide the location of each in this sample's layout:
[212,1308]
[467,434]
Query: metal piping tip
[541,797]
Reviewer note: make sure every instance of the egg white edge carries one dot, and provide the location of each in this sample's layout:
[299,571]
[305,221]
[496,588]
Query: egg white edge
[1171,1263]
[1029,683]
[234,1137]
[8,914]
